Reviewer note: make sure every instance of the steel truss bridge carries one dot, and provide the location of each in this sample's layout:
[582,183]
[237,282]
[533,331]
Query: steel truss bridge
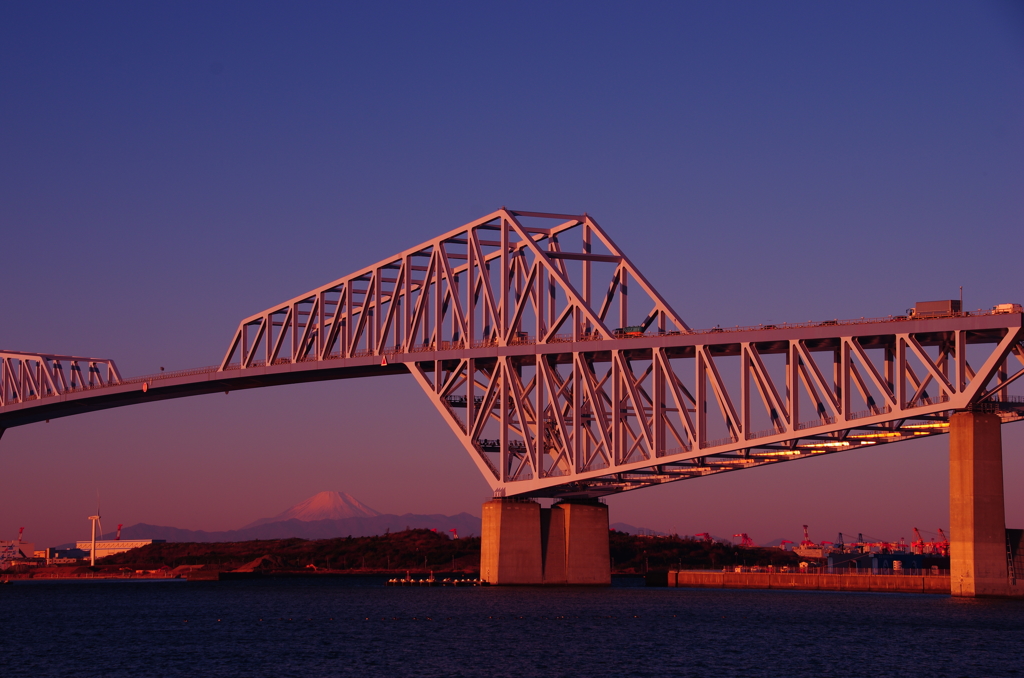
[518,328]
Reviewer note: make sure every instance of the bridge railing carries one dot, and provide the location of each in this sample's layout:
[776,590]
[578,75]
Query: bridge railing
[884,409]
[524,339]
[992,403]
[171,375]
[829,323]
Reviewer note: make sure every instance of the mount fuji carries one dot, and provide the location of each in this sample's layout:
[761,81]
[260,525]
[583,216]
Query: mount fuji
[322,506]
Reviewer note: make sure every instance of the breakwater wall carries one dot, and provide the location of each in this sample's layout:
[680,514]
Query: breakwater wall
[894,583]
[51,576]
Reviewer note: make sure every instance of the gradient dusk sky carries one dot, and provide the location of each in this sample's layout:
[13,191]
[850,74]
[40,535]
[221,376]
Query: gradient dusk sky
[167,169]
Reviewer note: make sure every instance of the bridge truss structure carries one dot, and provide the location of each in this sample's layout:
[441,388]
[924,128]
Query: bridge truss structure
[518,328]
[24,376]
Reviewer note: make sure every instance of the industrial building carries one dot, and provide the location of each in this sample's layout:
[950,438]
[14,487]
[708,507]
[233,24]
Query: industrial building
[12,551]
[873,562]
[112,546]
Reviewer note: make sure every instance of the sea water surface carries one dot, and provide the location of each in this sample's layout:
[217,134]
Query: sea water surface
[355,626]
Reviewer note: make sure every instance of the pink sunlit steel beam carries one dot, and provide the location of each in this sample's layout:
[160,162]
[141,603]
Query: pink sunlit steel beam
[505,325]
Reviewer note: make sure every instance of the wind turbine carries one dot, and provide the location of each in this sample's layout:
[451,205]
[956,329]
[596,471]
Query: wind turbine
[95,520]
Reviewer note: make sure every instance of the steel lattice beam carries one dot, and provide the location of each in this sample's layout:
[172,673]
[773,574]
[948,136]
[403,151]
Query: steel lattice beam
[520,335]
[25,377]
[493,282]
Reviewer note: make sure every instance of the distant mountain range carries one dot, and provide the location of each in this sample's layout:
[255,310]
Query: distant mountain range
[326,515]
[329,515]
[630,529]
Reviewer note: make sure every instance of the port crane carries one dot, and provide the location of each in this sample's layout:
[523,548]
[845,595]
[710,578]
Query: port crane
[704,537]
[918,545]
[807,543]
[745,540]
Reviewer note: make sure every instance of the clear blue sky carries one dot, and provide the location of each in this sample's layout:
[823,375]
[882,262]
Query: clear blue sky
[169,168]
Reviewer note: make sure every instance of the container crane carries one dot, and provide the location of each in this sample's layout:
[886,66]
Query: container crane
[883,546]
[782,544]
[705,537]
[944,544]
[917,546]
[745,541]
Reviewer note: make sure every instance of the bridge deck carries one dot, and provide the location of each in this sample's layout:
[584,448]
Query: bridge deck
[985,328]
[821,436]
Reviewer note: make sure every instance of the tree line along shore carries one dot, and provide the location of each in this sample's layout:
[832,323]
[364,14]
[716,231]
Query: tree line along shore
[417,550]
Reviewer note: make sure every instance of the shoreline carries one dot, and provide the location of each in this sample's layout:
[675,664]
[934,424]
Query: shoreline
[793,581]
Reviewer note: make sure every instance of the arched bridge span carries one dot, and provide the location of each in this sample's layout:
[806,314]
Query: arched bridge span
[564,373]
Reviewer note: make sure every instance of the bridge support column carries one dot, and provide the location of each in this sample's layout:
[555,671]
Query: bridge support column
[510,542]
[522,543]
[587,557]
[977,520]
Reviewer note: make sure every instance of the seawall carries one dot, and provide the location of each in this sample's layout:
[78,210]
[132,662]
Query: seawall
[895,583]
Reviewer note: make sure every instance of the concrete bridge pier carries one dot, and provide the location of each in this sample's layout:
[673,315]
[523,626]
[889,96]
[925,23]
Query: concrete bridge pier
[980,563]
[522,543]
